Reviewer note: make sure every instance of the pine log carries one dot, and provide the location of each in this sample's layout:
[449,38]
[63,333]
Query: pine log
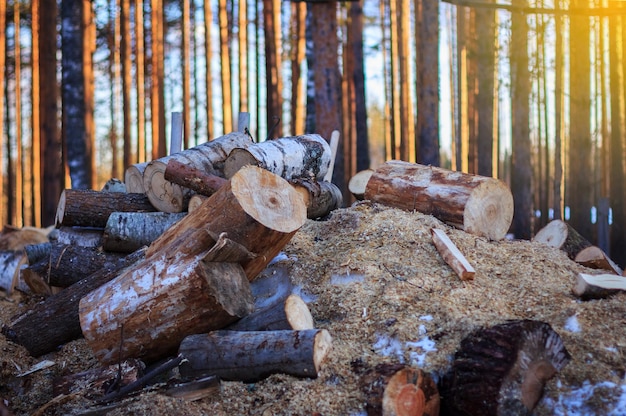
[126,232]
[54,321]
[259,210]
[78,236]
[68,264]
[195,201]
[208,157]
[321,198]
[452,255]
[87,208]
[133,178]
[253,355]
[502,370]
[358,183]
[479,205]
[594,258]
[295,157]
[10,263]
[598,286]
[563,236]
[291,313]
[177,296]
[396,389]
[193,178]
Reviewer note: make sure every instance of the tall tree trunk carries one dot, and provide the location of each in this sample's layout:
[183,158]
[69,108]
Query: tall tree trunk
[558,119]
[19,178]
[521,170]
[347,94]
[49,95]
[208,81]
[3,14]
[407,122]
[114,77]
[394,79]
[472,87]
[186,41]
[427,45]
[243,55]
[579,199]
[298,54]
[36,166]
[463,124]
[389,146]
[88,29]
[157,97]
[194,74]
[617,177]
[485,36]
[362,146]
[125,49]
[141,81]
[227,107]
[274,105]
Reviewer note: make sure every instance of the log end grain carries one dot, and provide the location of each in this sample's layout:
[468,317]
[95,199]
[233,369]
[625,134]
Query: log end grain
[133,178]
[553,234]
[298,313]
[322,346]
[411,392]
[237,159]
[358,183]
[163,194]
[589,286]
[489,210]
[279,207]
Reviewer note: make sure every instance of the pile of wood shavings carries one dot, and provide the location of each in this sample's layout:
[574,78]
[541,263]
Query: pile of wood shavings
[374,280]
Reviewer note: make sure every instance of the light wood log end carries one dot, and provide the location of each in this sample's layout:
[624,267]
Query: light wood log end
[321,349]
[489,210]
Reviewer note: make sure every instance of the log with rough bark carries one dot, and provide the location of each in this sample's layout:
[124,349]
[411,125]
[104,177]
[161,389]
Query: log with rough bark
[126,232]
[598,286]
[87,208]
[594,258]
[54,321]
[291,313]
[253,355]
[133,178]
[321,198]
[10,263]
[358,183]
[78,236]
[563,236]
[148,309]
[452,255]
[193,178]
[502,370]
[479,205]
[295,157]
[397,389]
[258,209]
[208,157]
[36,252]
[67,264]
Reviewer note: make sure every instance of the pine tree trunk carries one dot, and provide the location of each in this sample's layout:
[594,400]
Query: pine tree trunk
[227,107]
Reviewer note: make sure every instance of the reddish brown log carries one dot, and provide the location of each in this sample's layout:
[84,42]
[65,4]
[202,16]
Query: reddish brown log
[193,178]
[477,204]
[87,208]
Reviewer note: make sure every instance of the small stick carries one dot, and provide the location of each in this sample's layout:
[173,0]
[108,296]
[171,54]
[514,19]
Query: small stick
[334,142]
[451,254]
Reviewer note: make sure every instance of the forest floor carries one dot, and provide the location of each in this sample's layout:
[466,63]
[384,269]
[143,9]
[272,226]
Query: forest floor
[372,277]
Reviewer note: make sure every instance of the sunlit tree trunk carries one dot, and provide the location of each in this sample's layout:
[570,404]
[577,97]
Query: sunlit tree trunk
[558,119]
[257,66]
[89,48]
[394,78]
[521,170]
[227,108]
[194,74]
[208,81]
[580,172]
[427,45]
[485,36]
[186,41]
[49,96]
[35,154]
[125,49]
[462,93]
[347,94]
[472,88]
[298,51]
[141,81]
[157,98]
[243,55]
[407,122]
[358,74]
[114,77]
[389,146]
[272,68]
[19,177]
[3,13]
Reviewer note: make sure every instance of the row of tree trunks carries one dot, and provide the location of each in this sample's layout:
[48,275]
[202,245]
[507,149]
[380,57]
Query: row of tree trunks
[54,321]
[253,355]
[208,157]
[476,204]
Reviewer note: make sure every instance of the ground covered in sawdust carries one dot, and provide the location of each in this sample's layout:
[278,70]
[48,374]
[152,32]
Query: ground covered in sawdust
[372,277]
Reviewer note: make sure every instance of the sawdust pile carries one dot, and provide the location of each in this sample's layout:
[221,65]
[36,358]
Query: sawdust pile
[374,280]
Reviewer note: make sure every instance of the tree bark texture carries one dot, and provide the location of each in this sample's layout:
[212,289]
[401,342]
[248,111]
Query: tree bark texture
[477,204]
[321,198]
[254,355]
[126,232]
[79,236]
[87,208]
[193,178]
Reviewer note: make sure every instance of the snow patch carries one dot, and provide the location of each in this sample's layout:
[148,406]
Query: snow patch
[417,350]
[574,402]
[346,279]
[572,324]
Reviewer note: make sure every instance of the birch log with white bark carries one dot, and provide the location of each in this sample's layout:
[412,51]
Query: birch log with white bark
[478,205]
[126,232]
[305,156]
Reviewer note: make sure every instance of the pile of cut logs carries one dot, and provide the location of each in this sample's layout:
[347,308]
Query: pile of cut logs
[178,265]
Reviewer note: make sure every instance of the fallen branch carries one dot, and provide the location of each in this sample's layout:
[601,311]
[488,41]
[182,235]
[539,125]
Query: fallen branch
[451,254]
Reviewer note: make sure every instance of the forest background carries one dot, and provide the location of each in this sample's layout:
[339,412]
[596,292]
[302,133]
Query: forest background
[529,92]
